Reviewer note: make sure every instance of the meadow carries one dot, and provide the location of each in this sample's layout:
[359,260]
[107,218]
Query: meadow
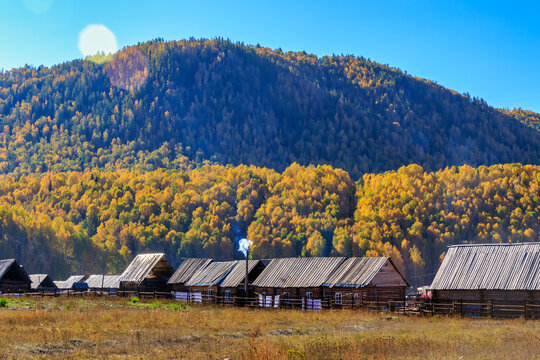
[123,328]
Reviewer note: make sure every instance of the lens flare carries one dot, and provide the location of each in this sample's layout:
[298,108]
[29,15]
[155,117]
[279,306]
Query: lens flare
[97,39]
[128,69]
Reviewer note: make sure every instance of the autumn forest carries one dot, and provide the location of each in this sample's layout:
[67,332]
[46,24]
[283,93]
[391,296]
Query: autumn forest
[76,221]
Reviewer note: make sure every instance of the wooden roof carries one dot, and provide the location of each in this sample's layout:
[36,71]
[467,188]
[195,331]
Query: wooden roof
[237,275]
[357,272]
[213,274]
[490,267]
[7,264]
[68,284]
[298,272]
[187,268]
[40,281]
[147,265]
[103,281]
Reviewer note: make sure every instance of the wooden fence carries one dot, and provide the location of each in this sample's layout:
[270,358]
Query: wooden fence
[487,309]
[459,308]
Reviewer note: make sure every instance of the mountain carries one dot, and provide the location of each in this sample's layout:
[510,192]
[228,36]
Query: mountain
[181,104]
[185,147]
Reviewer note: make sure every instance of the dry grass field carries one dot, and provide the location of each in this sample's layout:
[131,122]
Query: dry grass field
[100,328]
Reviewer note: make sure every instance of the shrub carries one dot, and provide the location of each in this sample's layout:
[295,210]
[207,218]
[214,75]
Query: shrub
[155,305]
[134,300]
[3,303]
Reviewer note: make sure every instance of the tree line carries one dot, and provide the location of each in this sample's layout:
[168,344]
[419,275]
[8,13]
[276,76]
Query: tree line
[94,220]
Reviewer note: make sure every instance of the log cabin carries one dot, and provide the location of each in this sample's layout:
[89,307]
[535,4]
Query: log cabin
[361,280]
[293,282]
[42,282]
[106,282]
[187,268]
[13,277]
[494,273]
[203,285]
[233,285]
[74,282]
[147,272]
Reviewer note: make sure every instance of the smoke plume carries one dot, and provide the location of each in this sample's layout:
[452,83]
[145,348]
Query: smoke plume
[243,245]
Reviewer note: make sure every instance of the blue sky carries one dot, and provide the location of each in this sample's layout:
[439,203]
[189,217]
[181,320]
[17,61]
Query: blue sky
[490,49]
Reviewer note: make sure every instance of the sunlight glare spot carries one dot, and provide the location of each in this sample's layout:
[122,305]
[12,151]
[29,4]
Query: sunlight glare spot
[96,39]
[129,69]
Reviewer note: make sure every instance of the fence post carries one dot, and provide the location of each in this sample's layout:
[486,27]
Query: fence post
[491,308]
[461,307]
[525,310]
[453,307]
[404,305]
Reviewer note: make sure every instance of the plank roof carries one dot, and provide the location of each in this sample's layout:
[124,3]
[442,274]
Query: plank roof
[490,267]
[213,274]
[187,268]
[356,272]
[7,264]
[40,281]
[107,281]
[4,266]
[237,275]
[68,284]
[298,272]
[146,265]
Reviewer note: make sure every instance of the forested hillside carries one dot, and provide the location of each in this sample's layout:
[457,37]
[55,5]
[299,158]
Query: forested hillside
[95,220]
[106,157]
[180,104]
[529,118]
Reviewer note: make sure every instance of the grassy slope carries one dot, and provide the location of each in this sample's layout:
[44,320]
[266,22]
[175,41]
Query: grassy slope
[117,329]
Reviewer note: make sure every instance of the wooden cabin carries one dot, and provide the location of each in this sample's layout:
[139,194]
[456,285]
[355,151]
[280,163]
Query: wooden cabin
[203,285]
[74,282]
[362,280]
[233,285]
[13,278]
[187,268]
[107,283]
[293,282]
[500,273]
[42,282]
[147,272]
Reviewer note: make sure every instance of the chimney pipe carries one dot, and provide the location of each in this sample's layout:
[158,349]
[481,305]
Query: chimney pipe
[247,272]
